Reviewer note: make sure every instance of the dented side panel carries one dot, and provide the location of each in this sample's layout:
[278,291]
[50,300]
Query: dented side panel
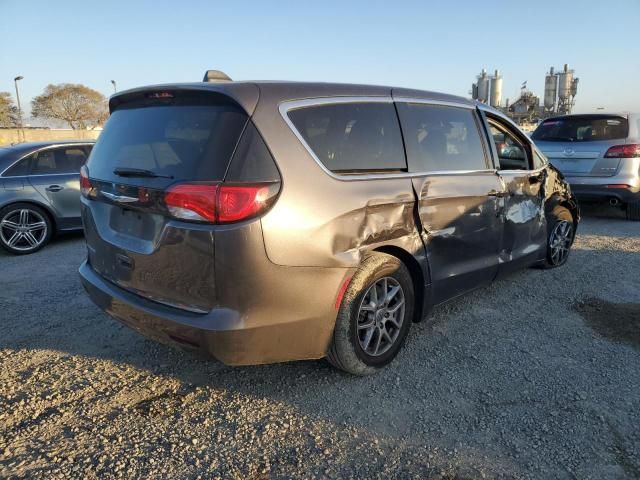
[524,238]
[461,227]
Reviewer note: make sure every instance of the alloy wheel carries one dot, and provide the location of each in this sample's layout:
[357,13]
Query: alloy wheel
[23,229]
[560,241]
[380,316]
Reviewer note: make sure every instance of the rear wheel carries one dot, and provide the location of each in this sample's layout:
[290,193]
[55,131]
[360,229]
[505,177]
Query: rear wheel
[375,316]
[633,210]
[24,228]
[560,237]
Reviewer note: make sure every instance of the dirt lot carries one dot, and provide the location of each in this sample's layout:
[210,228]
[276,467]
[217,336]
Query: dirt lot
[537,376]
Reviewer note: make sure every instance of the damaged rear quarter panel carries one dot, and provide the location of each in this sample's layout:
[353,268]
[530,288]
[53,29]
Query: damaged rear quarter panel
[322,221]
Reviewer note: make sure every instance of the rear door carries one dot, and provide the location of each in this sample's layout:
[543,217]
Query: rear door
[55,174]
[524,176]
[577,144]
[151,142]
[459,195]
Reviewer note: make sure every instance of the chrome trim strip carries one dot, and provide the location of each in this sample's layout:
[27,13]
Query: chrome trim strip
[285,107]
[441,103]
[119,198]
[38,150]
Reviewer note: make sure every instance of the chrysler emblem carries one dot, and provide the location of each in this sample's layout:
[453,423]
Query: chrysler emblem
[569,152]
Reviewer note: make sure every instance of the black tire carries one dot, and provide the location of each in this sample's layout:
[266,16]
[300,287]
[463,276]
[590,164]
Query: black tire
[559,218]
[10,216]
[346,351]
[633,210]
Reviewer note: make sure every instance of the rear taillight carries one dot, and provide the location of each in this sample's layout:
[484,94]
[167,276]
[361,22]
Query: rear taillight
[624,151]
[192,201]
[220,203]
[86,188]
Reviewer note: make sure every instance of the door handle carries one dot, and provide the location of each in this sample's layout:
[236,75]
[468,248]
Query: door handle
[495,193]
[54,188]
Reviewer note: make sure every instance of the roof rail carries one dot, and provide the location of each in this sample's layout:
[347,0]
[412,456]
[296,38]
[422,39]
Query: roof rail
[215,76]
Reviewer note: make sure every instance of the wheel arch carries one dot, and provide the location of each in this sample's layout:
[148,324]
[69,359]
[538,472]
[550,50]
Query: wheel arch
[417,275]
[568,203]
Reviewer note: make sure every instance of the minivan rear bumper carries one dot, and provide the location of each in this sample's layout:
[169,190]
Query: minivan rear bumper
[226,334]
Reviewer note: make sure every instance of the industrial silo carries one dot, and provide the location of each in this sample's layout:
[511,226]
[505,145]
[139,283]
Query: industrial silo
[565,88]
[565,81]
[496,90]
[483,86]
[550,90]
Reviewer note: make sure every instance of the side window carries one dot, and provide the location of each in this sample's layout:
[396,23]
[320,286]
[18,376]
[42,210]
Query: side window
[59,160]
[512,153]
[18,169]
[352,137]
[441,138]
[538,160]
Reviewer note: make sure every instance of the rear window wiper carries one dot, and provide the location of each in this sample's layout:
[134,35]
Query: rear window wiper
[138,172]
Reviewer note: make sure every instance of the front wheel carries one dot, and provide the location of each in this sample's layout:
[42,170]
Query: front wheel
[374,317]
[560,237]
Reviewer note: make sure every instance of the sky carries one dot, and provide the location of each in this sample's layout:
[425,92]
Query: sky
[430,45]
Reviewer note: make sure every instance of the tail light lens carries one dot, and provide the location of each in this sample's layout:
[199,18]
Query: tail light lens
[192,201]
[220,203]
[86,187]
[624,151]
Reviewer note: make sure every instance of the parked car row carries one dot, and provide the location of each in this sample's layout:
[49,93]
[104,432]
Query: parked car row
[270,221]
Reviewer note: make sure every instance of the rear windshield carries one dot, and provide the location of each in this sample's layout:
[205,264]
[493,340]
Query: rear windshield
[582,128]
[177,142]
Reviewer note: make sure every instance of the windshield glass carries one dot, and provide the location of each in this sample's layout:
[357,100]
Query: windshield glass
[582,128]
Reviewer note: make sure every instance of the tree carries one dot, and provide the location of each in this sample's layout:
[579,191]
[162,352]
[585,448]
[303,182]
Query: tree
[8,111]
[78,105]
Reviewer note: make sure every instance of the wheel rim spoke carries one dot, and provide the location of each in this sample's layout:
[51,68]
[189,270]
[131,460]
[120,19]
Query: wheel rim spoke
[24,217]
[36,226]
[31,240]
[15,238]
[9,224]
[393,291]
[396,307]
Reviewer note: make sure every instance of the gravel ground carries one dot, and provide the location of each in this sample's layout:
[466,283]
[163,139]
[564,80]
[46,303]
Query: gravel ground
[528,378]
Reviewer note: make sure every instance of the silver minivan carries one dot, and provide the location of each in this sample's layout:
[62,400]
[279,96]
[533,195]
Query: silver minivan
[599,154]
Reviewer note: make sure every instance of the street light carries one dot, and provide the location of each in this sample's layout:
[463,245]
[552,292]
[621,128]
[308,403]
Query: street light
[113,82]
[15,81]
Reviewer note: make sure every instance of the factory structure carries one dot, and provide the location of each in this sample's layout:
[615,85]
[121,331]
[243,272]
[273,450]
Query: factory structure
[560,89]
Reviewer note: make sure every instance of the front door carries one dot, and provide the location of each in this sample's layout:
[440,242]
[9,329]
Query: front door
[55,174]
[459,195]
[524,175]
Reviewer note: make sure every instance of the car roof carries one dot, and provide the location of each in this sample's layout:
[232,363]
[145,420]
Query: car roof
[11,153]
[246,93]
[594,114]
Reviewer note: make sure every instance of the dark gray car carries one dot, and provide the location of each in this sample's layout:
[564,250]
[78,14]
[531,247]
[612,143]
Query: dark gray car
[599,154]
[39,192]
[272,221]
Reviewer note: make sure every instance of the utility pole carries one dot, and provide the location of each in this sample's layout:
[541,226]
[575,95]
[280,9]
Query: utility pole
[15,81]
